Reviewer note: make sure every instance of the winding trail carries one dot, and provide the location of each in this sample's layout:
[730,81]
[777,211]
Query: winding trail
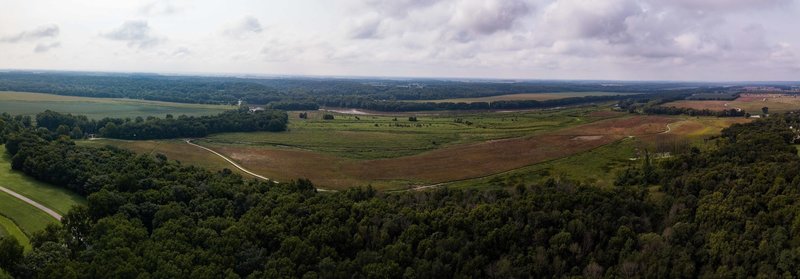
[32,202]
[240,167]
[230,161]
[668,129]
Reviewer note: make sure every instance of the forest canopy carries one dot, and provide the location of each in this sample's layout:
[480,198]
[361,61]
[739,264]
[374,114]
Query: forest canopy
[727,211]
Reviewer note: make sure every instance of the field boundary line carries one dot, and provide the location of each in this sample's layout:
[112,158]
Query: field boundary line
[41,207]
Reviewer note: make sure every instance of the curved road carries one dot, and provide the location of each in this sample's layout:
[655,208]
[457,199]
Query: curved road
[32,202]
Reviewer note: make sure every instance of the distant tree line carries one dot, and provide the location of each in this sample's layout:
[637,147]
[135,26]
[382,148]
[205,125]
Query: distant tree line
[241,120]
[311,93]
[694,112]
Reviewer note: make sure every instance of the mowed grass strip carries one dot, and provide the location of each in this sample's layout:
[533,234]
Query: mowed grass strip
[25,103]
[30,219]
[9,229]
[56,198]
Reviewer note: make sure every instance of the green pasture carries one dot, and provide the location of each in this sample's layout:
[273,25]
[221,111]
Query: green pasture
[24,103]
[381,136]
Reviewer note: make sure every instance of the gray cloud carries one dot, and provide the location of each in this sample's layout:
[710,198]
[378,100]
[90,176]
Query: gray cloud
[135,33]
[487,17]
[243,28]
[46,31]
[45,47]
[365,28]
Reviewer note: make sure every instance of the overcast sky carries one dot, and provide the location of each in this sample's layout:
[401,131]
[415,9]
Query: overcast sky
[531,39]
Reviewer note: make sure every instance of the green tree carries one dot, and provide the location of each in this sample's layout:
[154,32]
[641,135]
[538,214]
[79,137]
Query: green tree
[10,253]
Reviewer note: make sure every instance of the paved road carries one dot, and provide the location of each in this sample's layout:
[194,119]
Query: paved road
[32,202]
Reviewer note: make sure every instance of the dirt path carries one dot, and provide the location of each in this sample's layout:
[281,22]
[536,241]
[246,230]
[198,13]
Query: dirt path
[240,167]
[32,202]
[668,129]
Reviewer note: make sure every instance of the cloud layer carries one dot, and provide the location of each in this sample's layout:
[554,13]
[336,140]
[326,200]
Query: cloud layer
[573,39]
[41,32]
[135,33]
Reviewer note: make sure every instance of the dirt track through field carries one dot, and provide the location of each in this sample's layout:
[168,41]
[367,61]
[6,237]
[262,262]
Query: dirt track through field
[239,166]
[32,202]
[442,165]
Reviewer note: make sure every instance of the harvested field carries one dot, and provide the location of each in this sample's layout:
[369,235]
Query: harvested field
[525,97]
[751,103]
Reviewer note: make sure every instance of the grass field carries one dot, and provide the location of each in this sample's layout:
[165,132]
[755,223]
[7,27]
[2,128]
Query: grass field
[751,103]
[524,97]
[55,198]
[393,153]
[20,219]
[24,103]
[377,137]
[9,229]
[29,219]
[454,162]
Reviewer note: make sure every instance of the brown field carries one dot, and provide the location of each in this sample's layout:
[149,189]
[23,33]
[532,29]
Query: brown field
[751,103]
[523,97]
[441,165]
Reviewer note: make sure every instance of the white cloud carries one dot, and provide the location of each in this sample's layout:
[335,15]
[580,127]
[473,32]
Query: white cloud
[45,47]
[135,33]
[243,28]
[630,39]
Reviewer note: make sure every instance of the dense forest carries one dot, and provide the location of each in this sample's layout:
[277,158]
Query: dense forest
[728,211]
[300,93]
[241,120]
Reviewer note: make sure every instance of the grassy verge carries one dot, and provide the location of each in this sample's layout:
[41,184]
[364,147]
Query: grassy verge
[29,219]
[55,198]
[9,229]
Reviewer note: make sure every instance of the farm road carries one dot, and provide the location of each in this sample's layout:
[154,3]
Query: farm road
[240,167]
[32,202]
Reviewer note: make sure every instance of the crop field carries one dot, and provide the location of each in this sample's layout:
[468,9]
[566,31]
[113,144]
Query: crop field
[24,103]
[751,103]
[524,97]
[55,198]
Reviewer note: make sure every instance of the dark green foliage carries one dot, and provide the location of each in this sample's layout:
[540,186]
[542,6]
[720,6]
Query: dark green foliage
[10,254]
[730,211]
[311,93]
[241,120]
[694,112]
[327,117]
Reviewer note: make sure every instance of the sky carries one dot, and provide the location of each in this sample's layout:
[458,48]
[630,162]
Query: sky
[713,40]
